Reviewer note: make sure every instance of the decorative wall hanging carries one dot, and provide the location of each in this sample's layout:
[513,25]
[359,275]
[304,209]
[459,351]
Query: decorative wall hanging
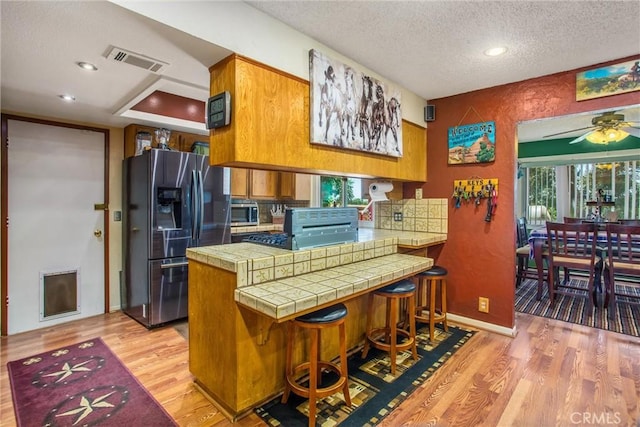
[351,110]
[611,80]
[475,190]
[474,143]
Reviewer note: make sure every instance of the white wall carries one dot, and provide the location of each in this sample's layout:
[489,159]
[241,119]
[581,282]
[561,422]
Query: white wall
[240,28]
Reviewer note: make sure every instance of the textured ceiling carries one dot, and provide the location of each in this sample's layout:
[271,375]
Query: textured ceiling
[435,48]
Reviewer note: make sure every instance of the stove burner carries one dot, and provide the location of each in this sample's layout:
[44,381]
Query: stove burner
[278,240]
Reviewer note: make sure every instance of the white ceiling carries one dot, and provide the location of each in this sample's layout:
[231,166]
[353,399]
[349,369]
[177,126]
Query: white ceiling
[432,48]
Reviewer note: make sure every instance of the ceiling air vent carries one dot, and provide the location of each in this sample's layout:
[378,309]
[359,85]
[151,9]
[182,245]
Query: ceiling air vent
[121,55]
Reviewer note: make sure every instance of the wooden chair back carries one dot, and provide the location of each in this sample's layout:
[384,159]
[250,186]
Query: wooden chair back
[572,220]
[521,228]
[623,249]
[572,245]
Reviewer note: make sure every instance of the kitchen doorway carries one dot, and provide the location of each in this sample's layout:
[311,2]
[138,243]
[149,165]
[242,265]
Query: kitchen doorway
[55,198]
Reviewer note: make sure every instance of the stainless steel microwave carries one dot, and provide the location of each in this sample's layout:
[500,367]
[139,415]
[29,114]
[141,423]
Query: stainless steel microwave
[243,214]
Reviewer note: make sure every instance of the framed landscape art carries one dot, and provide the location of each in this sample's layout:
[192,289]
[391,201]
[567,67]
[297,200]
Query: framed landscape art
[610,80]
[352,110]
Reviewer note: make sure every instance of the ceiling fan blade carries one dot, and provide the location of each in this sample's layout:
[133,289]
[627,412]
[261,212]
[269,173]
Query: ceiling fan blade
[569,131]
[632,130]
[580,138]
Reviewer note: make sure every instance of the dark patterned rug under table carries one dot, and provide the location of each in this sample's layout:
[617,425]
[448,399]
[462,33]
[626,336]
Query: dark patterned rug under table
[374,391]
[83,384]
[625,320]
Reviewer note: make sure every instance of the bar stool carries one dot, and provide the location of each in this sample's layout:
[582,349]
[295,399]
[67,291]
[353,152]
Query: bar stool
[394,293]
[428,281]
[315,322]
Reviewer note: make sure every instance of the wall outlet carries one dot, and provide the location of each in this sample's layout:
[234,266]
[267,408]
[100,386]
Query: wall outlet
[397,216]
[418,193]
[483,304]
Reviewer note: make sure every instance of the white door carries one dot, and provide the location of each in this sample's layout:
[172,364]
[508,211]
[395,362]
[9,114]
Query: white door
[55,176]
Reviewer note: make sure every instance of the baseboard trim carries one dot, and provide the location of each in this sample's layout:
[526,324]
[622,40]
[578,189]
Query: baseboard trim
[502,330]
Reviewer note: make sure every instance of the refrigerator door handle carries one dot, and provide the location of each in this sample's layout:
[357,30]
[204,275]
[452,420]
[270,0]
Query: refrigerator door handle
[174,265]
[200,204]
[194,206]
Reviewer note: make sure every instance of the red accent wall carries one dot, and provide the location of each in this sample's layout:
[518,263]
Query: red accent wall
[479,255]
[170,105]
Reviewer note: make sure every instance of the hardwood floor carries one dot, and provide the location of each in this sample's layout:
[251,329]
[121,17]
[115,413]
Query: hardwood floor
[551,373]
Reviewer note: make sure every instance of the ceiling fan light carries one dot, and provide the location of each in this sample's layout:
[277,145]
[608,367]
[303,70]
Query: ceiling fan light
[605,136]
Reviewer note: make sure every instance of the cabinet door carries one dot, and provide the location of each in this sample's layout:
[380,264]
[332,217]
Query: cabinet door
[303,186]
[263,184]
[239,183]
[287,185]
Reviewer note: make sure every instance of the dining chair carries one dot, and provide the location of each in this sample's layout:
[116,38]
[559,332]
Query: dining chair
[572,246]
[523,253]
[572,220]
[623,260]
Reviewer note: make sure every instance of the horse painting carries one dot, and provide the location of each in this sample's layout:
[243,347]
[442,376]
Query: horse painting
[349,118]
[352,110]
[364,112]
[331,102]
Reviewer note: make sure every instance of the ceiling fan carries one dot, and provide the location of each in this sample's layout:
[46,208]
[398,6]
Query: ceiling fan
[607,127]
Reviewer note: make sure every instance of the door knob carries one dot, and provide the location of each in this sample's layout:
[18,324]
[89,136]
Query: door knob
[97,233]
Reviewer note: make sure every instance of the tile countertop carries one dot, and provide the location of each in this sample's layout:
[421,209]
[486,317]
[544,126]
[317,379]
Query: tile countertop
[256,228]
[281,283]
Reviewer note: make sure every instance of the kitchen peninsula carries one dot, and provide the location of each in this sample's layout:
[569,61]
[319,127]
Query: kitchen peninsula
[240,296]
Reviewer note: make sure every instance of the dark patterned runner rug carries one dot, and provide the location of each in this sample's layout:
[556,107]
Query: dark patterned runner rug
[374,391]
[83,384]
[626,318]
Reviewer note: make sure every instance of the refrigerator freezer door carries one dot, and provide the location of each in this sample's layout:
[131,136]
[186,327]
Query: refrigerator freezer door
[170,174]
[168,292]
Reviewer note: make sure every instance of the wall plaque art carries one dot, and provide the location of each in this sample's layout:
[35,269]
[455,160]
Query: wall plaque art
[474,143]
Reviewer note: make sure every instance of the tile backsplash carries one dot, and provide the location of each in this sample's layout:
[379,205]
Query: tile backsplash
[425,215]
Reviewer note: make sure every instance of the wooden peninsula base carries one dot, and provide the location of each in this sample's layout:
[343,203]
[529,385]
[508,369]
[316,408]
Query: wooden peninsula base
[240,298]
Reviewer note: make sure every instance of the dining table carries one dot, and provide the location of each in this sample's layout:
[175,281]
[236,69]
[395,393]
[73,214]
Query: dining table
[538,243]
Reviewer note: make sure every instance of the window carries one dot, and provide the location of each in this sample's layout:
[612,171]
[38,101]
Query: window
[553,192]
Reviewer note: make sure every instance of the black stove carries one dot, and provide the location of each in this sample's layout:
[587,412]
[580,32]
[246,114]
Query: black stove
[306,228]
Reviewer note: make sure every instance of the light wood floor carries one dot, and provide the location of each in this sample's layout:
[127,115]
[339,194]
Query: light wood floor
[551,373]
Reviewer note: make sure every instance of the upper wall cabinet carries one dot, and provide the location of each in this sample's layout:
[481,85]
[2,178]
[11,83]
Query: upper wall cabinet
[179,141]
[270,129]
[260,184]
[295,186]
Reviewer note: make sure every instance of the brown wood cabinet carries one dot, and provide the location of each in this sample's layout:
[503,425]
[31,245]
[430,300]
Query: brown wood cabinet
[263,184]
[239,183]
[270,129]
[268,185]
[179,141]
[295,186]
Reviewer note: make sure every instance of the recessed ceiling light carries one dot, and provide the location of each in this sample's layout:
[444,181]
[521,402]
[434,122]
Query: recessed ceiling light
[495,51]
[87,66]
[69,98]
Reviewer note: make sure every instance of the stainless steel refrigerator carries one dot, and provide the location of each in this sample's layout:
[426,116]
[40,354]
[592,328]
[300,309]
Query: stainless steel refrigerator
[172,200]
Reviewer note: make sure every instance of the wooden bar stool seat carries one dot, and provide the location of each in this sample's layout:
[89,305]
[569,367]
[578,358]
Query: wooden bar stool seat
[316,322]
[426,310]
[386,338]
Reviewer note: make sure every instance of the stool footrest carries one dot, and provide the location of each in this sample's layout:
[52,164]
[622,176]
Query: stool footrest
[377,333]
[320,392]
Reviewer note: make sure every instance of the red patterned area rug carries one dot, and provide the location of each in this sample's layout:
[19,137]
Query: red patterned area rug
[83,384]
